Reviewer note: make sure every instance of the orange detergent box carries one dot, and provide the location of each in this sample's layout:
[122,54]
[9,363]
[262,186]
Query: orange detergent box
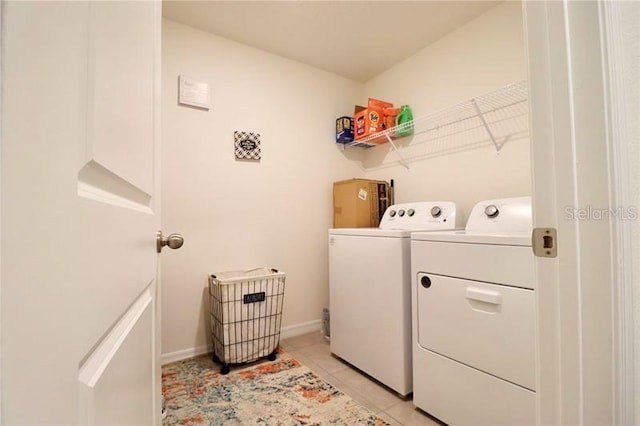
[370,120]
[377,103]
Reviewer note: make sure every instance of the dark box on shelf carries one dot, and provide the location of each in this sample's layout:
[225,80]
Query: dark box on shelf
[344,129]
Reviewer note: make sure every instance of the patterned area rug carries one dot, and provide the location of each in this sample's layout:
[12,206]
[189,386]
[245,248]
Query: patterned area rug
[282,392]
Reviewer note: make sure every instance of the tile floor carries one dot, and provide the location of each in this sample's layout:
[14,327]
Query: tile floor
[313,351]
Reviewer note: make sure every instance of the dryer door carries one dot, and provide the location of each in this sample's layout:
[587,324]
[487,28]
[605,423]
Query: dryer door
[486,326]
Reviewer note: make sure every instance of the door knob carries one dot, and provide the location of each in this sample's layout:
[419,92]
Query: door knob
[174,241]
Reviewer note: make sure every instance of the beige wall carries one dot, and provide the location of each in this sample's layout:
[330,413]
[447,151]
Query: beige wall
[484,55]
[237,215]
[240,215]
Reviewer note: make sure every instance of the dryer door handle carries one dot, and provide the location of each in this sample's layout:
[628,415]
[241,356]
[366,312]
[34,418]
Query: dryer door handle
[482,295]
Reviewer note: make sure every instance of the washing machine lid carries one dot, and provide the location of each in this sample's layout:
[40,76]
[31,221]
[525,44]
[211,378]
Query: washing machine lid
[371,232]
[475,237]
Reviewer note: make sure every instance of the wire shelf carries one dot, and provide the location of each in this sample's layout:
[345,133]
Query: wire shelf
[495,117]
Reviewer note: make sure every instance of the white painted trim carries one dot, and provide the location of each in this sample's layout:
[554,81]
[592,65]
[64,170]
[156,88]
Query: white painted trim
[185,354]
[155,208]
[539,41]
[616,67]
[2,5]
[299,329]
[285,333]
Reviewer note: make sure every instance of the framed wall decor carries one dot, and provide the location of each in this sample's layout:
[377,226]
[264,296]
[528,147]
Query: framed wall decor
[247,146]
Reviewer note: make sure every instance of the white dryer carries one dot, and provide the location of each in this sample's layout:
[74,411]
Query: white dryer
[474,318]
[370,290]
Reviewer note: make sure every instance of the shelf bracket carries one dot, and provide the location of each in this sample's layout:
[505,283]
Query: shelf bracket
[395,148]
[497,144]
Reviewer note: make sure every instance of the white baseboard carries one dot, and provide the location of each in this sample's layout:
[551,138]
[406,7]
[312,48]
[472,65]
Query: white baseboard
[285,333]
[185,354]
[302,328]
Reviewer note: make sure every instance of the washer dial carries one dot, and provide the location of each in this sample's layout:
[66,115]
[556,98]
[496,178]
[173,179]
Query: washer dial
[491,211]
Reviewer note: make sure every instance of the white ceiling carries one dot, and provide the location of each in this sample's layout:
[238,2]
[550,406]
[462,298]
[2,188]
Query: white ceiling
[354,39]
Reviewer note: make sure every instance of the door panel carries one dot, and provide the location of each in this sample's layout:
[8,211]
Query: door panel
[571,153]
[116,364]
[120,92]
[80,212]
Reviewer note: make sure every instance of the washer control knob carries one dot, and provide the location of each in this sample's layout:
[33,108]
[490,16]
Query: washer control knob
[401,212]
[425,281]
[411,212]
[491,211]
[436,211]
[392,213]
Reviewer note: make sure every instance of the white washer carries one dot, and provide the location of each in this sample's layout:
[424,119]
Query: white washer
[370,290]
[474,318]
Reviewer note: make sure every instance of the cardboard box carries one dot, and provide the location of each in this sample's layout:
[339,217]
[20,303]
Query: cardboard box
[359,203]
[344,129]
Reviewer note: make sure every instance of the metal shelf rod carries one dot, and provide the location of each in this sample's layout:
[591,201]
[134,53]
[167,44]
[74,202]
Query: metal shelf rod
[486,126]
[393,145]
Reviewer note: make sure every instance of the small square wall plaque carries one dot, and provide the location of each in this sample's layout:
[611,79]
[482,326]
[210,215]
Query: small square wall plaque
[247,146]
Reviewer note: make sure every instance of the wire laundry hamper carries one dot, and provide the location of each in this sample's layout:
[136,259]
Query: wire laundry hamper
[246,315]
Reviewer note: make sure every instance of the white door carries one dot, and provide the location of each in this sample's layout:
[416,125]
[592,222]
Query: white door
[80,212]
[575,189]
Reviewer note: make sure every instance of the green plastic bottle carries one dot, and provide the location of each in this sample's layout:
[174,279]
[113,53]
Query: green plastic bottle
[405,122]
